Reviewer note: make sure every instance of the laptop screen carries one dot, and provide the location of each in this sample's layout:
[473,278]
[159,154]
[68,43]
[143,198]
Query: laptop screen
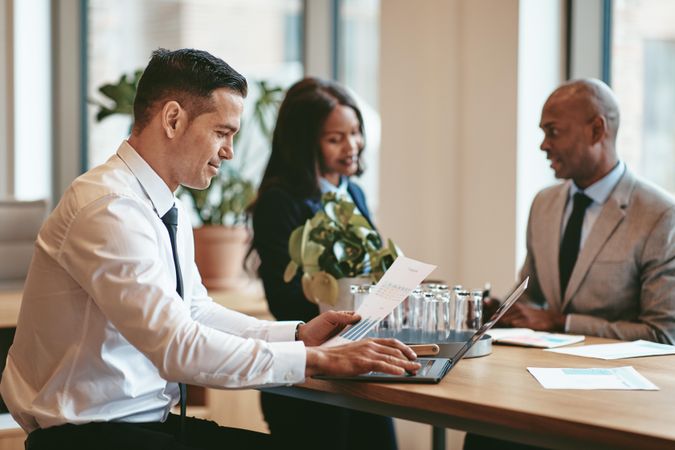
[511,299]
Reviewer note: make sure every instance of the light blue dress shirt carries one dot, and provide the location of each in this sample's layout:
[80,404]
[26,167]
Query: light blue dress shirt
[327,186]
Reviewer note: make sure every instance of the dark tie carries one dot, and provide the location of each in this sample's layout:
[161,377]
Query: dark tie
[569,248]
[170,220]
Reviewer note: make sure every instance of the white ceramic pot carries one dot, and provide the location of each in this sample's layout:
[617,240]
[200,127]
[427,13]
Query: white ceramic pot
[345,300]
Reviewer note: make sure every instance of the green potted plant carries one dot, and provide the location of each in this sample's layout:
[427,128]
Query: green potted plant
[221,223]
[335,248]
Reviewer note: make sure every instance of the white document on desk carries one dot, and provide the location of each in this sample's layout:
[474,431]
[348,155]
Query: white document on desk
[634,349]
[527,337]
[614,378]
[396,284]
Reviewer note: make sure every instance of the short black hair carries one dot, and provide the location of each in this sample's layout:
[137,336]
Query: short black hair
[296,148]
[186,75]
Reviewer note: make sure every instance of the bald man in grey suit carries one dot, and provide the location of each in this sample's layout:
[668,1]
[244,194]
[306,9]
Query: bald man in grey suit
[622,284]
[618,279]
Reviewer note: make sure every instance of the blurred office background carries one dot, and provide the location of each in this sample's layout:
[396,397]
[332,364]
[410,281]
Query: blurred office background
[452,91]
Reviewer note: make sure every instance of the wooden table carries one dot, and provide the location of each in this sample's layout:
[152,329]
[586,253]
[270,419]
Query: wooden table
[496,396]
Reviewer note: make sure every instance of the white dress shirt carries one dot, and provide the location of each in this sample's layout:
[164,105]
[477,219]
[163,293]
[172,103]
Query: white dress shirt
[101,327]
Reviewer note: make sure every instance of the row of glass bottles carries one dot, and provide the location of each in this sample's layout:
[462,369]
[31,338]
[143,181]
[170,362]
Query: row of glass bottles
[432,310]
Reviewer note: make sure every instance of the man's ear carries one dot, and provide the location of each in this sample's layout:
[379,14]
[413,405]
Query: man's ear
[598,129]
[172,117]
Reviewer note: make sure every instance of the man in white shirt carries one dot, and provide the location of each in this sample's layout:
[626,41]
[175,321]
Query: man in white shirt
[111,323]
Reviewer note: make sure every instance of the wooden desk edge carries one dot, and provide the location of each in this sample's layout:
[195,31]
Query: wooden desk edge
[516,426]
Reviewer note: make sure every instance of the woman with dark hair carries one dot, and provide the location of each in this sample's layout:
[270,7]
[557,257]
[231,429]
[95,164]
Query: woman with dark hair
[317,145]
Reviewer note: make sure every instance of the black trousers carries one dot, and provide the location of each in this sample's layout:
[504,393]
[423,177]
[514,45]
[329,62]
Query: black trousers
[303,425]
[199,434]
[478,442]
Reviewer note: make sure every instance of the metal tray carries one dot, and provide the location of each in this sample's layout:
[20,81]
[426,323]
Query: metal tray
[448,345]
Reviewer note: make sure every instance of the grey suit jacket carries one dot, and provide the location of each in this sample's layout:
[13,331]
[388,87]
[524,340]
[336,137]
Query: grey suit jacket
[623,283]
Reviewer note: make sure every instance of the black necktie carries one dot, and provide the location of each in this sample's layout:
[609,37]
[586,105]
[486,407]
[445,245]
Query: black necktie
[170,220]
[569,248]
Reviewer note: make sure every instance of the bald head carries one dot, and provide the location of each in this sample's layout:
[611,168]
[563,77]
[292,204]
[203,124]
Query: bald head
[580,121]
[592,97]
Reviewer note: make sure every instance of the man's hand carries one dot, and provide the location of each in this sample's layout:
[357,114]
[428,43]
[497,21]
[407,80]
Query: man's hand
[522,316]
[490,306]
[379,355]
[325,326]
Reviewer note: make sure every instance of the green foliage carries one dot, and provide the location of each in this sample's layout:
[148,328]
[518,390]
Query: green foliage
[121,96]
[226,200]
[340,242]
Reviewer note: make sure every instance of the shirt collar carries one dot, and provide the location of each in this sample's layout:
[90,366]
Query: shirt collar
[155,188]
[600,190]
[327,186]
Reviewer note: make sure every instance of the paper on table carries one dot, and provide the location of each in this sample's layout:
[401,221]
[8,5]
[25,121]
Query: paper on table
[394,286]
[620,350]
[530,338]
[623,378]
[501,333]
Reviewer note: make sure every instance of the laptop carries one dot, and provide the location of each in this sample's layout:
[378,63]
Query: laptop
[434,369]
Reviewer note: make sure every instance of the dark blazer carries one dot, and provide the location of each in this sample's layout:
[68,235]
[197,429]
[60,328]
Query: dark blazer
[277,213]
[296,423]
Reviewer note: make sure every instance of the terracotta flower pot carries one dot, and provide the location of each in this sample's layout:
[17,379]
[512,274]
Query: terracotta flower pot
[220,253]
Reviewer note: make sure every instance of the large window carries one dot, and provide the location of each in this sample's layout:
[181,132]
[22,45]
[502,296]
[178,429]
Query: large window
[359,47]
[25,100]
[642,56]
[358,63]
[260,38]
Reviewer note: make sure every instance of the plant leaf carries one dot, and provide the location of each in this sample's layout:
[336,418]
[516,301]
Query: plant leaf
[291,270]
[393,249]
[344,211]
[325,288]
[295,245]
[310,256]
[358,220]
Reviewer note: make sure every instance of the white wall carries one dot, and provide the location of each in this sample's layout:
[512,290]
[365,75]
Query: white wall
[419,155]
[488,151]
[462,86]
[449,135]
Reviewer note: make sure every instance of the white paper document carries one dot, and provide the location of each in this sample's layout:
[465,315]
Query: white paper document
[620,350]
[526,337]
[396,284]
[614,378]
